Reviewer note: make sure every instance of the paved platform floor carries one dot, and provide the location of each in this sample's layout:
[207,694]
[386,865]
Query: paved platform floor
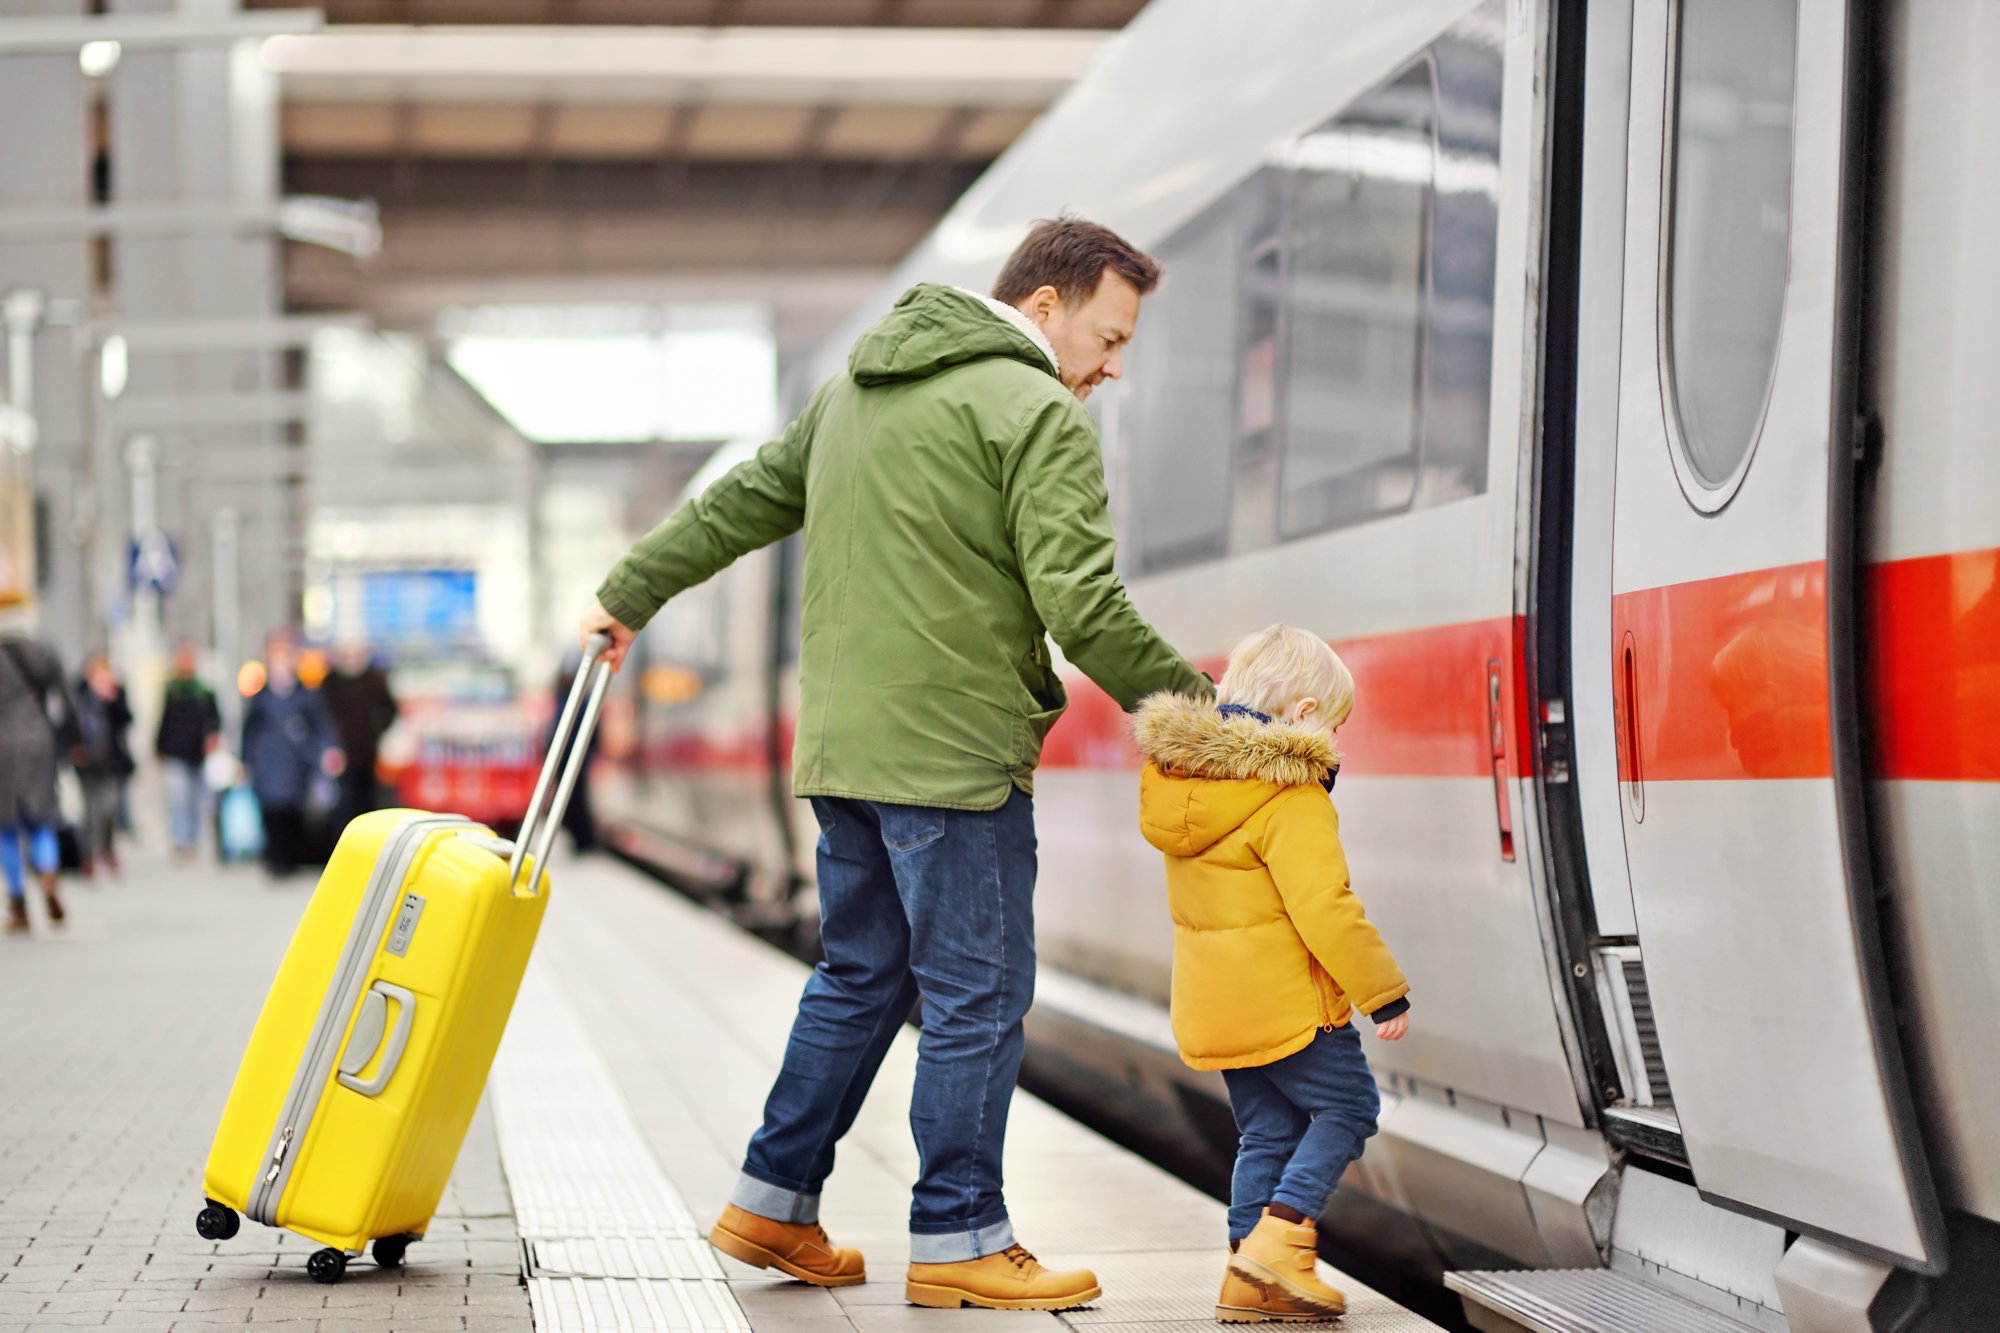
[119,1034]
[632,1076]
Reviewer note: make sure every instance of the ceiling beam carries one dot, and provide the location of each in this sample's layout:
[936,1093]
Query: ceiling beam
[767,66]
[137,32]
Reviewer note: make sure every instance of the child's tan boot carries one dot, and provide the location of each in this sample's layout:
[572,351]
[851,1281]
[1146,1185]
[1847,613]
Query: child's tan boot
[797,1249]
[1277,1259]
[1241,1303]
[1009,1280]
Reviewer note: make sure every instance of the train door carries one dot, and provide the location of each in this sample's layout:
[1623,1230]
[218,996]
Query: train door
[1718,755]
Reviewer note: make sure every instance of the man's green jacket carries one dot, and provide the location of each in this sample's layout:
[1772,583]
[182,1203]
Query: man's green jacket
[953,502]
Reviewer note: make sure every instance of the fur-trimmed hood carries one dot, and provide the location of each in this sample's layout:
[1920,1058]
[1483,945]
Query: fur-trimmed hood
[1208,772]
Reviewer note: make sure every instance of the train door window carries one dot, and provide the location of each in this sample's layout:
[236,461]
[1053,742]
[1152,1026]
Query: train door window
[1356,245]
[1730,231]
[1179,406]
[1469,69]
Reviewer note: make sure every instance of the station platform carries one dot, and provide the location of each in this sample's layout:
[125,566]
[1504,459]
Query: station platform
[633,1072]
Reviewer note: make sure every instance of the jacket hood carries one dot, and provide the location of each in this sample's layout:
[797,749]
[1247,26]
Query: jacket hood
[1209,771]
[934,327]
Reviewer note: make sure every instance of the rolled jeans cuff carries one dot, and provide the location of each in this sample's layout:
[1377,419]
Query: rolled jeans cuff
[957,1247]
[774,1201]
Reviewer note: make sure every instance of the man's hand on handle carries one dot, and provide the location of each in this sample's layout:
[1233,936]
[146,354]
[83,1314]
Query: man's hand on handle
[599,621]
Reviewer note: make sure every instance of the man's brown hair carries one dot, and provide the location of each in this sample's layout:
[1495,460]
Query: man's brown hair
[1071,256]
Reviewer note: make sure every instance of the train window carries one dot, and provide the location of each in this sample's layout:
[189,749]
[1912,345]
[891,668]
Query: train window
[1464,241]
[1179,406]
[1356,245]
[1731,225]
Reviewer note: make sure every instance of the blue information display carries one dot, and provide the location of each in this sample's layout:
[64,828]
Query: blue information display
[406,611]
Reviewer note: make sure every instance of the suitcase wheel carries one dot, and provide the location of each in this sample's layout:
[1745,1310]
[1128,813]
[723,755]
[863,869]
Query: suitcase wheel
[326,1265]
[214,1222]
[389,1251]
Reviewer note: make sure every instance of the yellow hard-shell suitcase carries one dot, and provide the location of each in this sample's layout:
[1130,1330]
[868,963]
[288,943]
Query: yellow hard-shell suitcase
[374,1043]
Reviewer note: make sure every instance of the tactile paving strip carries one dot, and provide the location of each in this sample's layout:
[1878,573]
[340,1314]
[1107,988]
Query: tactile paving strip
[1174,1292]
[634,1303]
[606,1240]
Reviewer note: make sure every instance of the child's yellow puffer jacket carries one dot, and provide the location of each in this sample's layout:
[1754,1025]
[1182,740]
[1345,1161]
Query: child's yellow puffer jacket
[1270,944]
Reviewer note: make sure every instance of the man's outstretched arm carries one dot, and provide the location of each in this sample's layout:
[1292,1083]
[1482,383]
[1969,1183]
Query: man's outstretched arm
[751,506]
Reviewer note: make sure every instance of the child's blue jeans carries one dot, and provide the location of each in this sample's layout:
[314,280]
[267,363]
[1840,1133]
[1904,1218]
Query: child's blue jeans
[43,851]
[1301,1119]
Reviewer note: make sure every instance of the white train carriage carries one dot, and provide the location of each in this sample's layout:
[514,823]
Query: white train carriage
[1609,386]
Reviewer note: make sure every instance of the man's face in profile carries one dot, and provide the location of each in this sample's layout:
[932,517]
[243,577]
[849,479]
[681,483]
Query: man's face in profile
[1089,338]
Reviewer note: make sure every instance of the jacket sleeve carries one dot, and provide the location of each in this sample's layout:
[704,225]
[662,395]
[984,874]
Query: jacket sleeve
[1301,847]
[750,506]
[1058,515]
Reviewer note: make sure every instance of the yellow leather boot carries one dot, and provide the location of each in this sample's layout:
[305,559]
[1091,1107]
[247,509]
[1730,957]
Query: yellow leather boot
[1009,1280]
[1277,1259]
[1241,1303]
[797,1249]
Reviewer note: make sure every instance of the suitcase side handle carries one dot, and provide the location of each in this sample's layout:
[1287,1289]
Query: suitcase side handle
[392,1053]
[538,828]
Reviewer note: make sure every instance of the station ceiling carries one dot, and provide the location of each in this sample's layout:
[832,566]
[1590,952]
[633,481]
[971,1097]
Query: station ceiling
[526,150]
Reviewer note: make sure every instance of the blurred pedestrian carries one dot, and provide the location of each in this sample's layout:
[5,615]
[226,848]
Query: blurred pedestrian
[104,720]
[357,694]
[288,741]
[190,731]
[952,496]
[37,724]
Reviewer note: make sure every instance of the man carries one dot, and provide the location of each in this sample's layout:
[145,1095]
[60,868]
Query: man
[953,502]
[357,694]
[287,738]
[190,730]
[103,719]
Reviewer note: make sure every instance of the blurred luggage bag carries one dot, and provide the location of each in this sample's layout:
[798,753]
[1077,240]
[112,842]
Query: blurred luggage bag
[239,825]
[368,1058]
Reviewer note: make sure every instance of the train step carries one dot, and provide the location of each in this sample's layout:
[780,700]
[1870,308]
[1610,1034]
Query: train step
[1580,1300]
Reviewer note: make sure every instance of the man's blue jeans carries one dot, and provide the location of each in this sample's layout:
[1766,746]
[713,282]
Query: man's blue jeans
[914,902]
[1302,1119]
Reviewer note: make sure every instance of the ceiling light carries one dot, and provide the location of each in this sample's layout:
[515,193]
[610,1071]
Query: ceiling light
[98,59]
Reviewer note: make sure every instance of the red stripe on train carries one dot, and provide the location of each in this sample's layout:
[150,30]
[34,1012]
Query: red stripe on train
[1728,678]
[1933,627]
[1724,678]
[1731,673]
[1421,706]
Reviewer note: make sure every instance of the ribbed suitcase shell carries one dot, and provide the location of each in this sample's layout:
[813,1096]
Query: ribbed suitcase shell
[359,1167]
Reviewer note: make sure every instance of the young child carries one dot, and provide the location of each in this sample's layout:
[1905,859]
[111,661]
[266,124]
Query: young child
[1272,952]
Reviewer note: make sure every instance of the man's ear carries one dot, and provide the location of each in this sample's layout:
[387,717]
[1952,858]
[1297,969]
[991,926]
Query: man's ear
[1041,303]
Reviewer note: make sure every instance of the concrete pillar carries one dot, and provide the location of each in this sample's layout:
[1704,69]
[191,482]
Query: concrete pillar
[199,126]
[45,165]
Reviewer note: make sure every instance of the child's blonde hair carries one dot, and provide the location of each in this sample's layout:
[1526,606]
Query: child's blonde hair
[1276,667]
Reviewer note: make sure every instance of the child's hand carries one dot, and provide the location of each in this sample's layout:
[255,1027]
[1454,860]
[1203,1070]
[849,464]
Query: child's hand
[1394,1029]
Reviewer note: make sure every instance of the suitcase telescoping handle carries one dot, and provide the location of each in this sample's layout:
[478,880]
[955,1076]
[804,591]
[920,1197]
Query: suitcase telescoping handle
[538,828]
